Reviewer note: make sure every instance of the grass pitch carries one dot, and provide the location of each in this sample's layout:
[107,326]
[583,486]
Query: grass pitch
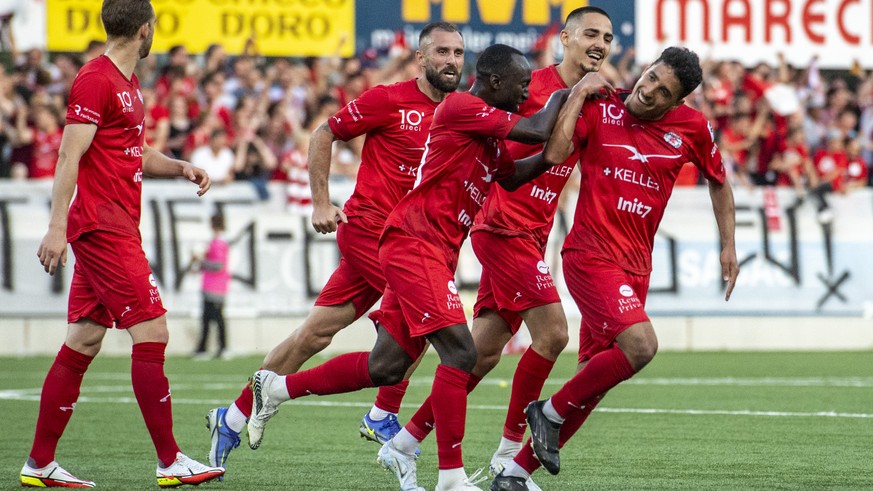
[693,421]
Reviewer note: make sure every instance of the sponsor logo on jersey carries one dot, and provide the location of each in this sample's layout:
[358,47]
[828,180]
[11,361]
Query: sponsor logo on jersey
[546,194]
[636,206]
[542,267]
[133,151]
[126,101]
[410,120]
[633,177]
[673,139]
[452,288]
[612,114]
[644,158]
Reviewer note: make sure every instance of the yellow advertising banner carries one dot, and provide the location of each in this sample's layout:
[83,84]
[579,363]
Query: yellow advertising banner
[278,27]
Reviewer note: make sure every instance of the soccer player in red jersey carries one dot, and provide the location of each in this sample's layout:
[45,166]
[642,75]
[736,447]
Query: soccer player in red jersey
[418,252]
[631,146]
[103,159]
[509,238]
[395,119]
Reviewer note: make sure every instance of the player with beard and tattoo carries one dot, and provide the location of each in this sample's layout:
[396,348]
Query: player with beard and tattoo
[395,119]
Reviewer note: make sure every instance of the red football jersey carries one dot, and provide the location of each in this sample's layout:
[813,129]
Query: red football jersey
[109,188]
[45,153]
[628,169]
[396,119]
[531,208]
[465,154]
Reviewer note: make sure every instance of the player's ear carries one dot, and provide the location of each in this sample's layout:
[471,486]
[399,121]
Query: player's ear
[495,81]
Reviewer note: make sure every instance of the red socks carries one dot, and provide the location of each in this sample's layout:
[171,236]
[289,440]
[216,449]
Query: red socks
[390,397]
[527,383]
[152,390]
[57,402]
[344,373]
[604,371]
[421,423]
[449,402]
[244,401]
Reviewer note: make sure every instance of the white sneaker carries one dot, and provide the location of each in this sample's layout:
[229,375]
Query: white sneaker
[467,484]
[401,464]
[498,463]
[263,407]
[185,470]
[51,476]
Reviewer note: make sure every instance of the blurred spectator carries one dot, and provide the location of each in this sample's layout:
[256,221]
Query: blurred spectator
[216,280]
[216,157]
[44,137]
[179,126]
[254,162]
[95,48]
[157,121]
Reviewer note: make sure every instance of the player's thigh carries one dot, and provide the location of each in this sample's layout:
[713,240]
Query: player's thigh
[117,274]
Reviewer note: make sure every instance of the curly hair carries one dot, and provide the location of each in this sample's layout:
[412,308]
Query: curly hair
[686,65]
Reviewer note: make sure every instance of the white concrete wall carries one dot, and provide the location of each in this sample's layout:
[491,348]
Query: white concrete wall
[43,336]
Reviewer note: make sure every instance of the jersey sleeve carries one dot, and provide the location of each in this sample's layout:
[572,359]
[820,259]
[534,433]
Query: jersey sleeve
[361,115]
[473,116]
[707,156]
[89,100]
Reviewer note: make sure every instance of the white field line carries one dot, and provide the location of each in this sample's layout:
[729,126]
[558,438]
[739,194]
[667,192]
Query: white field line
[33,395]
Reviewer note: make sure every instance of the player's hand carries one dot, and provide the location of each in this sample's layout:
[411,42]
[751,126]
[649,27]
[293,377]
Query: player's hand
[53,250]
[730,269]
[593,84]
[199,177]
[325,218]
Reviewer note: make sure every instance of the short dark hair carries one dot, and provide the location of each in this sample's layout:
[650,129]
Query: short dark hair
[217,221]
[577,14]
[685,65]
[122,18]
[496,59]
[437,26]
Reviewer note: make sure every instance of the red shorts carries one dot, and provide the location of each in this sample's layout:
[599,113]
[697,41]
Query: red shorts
[390,317]
[358,278]
[609,298]
[112,284]
[423,281]
[514,278]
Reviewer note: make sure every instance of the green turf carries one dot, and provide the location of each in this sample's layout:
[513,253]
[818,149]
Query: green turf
[691,421]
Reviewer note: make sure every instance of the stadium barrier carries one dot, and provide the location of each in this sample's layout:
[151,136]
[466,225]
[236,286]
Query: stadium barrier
[806,281]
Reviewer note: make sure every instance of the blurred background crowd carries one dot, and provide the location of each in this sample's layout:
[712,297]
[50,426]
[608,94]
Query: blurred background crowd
[249,117]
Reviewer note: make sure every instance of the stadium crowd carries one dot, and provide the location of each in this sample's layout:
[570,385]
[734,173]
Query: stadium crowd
[249,118]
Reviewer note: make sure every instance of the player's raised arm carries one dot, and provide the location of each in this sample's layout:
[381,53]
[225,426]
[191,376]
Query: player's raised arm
[560,144]
[53,248]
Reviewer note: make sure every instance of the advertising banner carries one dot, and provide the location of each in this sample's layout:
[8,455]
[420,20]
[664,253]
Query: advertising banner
[277,27]
[792,261]
[837,32]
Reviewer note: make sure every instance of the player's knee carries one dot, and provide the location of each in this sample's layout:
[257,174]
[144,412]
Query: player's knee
[642,352]
[551,344]
[385,371]
[463,358]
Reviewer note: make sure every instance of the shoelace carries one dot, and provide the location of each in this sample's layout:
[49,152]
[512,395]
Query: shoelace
[477,477]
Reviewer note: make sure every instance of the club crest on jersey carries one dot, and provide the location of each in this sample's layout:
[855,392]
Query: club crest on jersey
[673,139]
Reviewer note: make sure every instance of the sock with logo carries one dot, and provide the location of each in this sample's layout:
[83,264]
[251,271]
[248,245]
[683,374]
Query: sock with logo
[527,383]
[603,371]
[449,402]
[422,422]
[344,373]
[57,402]
[152,391]
[389,397]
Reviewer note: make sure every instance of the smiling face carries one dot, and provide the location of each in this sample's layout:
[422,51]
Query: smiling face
[442,58]
[655,93]
[586,41]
